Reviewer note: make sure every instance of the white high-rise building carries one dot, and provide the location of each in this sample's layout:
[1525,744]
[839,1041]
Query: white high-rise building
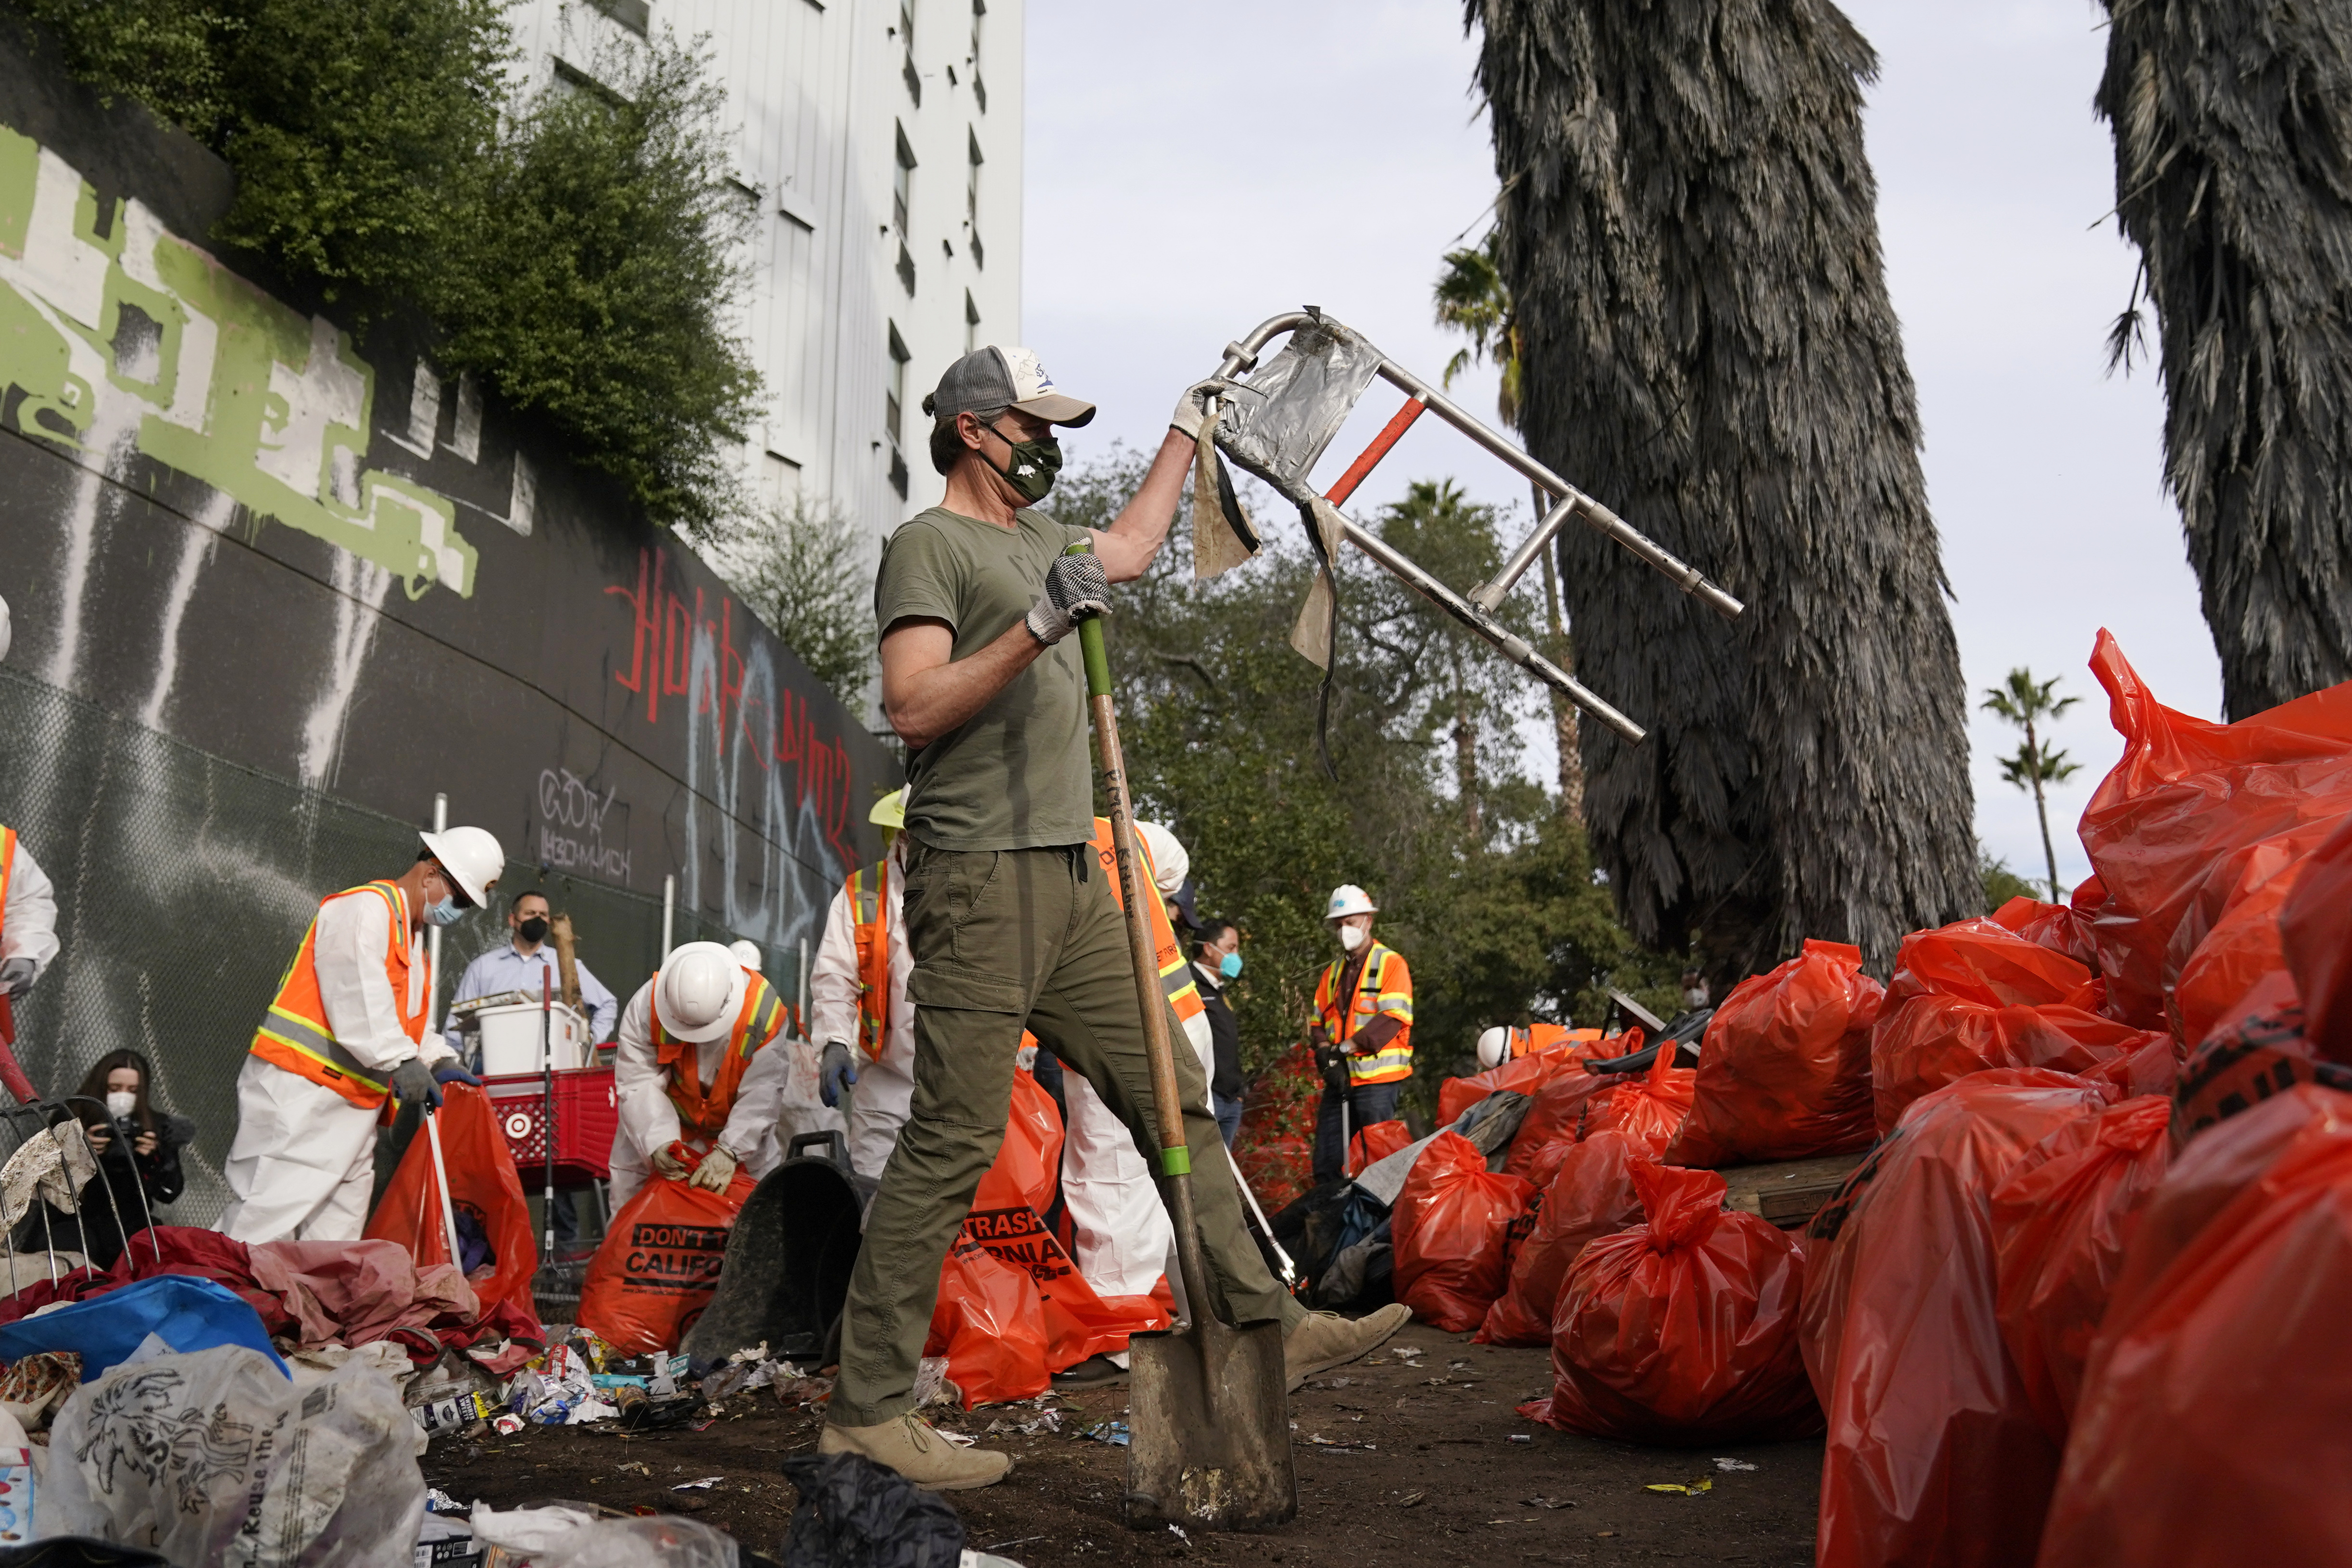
[881,141]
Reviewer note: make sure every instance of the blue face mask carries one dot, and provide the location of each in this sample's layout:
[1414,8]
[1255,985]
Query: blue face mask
[1230,966]
[444,913]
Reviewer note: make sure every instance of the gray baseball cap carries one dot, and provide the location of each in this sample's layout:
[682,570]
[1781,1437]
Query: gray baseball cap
[992,378]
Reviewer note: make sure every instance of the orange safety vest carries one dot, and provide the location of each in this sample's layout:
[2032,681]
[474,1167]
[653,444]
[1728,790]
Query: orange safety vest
[869,909]
[1537,1037]
[1386,986]
[702,1113]
[1175,975]
[294,1033]
[7,870]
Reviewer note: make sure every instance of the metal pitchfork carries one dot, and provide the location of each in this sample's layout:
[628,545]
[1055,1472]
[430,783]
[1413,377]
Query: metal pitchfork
[1277,423]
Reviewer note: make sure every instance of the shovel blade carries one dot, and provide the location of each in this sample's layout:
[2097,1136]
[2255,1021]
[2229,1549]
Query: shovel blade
[1210,1429]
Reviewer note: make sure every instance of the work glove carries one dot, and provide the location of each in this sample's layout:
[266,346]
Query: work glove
[668,1162]
[1192,412]
[412,1082]
[835,1073]
[454,1071]
[16,975]
[1075,586]
[718,1169]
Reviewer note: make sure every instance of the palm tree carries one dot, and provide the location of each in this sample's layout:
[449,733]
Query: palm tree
[1474,302]
[1687,232]
[2027,704]
[2234,174]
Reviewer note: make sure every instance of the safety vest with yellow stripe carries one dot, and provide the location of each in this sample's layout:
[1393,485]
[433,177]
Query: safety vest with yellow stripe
[1523,1042]
[702,1113]
[1176,980]
[295,1035]
[7,870]
[869,909]
[1386,986]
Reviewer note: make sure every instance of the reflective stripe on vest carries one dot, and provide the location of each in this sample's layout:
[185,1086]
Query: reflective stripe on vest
[7,870]
[1176,979]
[869,909]
[294,1032]
[703,1113]
[1384,987]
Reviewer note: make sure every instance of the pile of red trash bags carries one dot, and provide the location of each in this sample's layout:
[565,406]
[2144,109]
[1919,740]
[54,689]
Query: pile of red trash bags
[1012,1308]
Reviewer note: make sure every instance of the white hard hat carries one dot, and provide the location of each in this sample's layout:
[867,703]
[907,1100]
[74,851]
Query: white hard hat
[1348,898]
[746,953]
[699,992]
[1170,861]
[1493,1047]
[471,857]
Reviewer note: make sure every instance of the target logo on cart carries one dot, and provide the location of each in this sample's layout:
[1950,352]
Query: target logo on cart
[519,1124]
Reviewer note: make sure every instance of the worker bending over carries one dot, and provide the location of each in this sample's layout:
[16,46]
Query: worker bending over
[858,1012]
[1362,1032]
[1510,1042]
[347,1028]
[692,1070]
[28,918]
[1008,915]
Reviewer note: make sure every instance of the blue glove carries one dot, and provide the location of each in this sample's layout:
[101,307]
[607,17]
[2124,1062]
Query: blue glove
[454,1072]
[834,1073]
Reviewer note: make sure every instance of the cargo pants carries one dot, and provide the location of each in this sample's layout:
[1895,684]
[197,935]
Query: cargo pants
[1004,939]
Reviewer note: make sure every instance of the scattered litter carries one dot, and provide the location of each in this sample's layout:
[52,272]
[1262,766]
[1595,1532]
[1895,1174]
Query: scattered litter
[1178,1531]
[1603,1535]
[636,1465]
[1459,1365]
[1410,1498]
[438,1501]
[704,1485]
[1341,1381]
[567,1537]
[961,1439]
[1047,1420]
[1733,1465]
[505,1426]
[931,1384]
[1704,1484]
[1526,1437]
[1548,1502]
[1112,1431]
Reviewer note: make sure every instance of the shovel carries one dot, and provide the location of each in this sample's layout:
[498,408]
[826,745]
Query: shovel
[1207,1411]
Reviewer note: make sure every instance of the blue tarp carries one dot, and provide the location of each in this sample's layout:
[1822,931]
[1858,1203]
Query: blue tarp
[187,1313]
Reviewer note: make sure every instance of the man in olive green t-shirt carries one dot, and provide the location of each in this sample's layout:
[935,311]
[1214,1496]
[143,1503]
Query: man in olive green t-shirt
[1008,928]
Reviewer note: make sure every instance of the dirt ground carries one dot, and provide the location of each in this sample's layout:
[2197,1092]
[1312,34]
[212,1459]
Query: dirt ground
[1401,1460]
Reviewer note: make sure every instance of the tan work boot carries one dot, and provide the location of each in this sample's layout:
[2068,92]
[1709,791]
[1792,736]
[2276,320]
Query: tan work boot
[908,1445]
[1325,1340]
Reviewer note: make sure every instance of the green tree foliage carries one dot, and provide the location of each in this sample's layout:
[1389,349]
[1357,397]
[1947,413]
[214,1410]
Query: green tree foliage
[1218,718]
[806,575]
[2001,883]
[580,251]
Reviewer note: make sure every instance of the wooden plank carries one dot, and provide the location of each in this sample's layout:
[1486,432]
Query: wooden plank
[1790,1191]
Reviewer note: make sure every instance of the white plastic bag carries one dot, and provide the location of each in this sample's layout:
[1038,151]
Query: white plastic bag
[215,1459]
[568,1536]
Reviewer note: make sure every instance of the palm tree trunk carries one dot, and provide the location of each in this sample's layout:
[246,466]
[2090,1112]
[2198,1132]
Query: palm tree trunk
[2041,810]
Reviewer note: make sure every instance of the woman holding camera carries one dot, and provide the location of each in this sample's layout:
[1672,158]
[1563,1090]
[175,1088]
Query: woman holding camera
[138,1149]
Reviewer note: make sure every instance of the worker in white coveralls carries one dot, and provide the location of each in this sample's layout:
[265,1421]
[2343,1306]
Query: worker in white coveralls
[346,1029]
[693,1071]
[797,1108]
[28,905]
[858,1013]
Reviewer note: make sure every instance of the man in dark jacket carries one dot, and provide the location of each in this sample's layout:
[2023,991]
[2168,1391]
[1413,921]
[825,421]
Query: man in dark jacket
[1216,962]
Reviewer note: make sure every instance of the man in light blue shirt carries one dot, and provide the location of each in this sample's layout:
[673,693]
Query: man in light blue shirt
[519,965]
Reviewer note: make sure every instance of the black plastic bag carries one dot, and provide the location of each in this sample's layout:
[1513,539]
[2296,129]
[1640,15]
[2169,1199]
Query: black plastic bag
[854,1513]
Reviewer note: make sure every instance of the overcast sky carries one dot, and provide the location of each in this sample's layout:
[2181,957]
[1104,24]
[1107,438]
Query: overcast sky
[1192,171]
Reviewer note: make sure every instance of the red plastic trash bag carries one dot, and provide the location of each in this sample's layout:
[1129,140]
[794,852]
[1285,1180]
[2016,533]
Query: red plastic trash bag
[1930,1041]
[2258,1051]
[991,1325]
[1590,1196]
[2211,1431]
[487,1198]
[1450,1229]
[1523,1075]
[1682,1330]
[1933,1456]
[2185,794]
[658,1266]
[1785,1072]
[1558,1118]
[2059,1223]
[2315,933]
[1647,1106]
[2062,928]
[1376,1143]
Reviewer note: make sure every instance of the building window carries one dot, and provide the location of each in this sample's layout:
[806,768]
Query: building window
[971,177]
[902,182]
[979,86]
[780,478]
[906,268]
[970,323]
[894,400]
[906,36]
[634,14]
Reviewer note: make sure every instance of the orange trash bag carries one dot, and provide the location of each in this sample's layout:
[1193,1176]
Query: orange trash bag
[1785,1072]
[658,1266]
[1933,1456]
[1376,1143]
[1450,1229]
[1684,1329]
[1558,1117]
[991,1325]
[2212,1416]
[2316,936]
[1647,1106]
[1981,960]
[2062,928]
[2059,1223]
[2187,793]
[1522,1075]
[1591,1195]
[2228,937]
[1934,1040]
[487,1197]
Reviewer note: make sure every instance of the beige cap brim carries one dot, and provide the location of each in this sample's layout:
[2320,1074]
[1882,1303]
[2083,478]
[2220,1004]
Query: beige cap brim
[1055,409]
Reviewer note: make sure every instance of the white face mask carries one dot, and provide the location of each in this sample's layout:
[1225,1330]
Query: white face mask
[1351,937]
[121,1103]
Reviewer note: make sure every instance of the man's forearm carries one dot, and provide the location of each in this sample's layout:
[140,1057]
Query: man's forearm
[1127,547]
[933,702]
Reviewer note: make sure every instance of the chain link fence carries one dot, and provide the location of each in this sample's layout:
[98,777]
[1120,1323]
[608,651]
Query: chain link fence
[184,883]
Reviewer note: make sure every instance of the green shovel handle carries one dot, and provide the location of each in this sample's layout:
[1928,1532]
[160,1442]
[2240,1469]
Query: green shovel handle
[1090,642]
